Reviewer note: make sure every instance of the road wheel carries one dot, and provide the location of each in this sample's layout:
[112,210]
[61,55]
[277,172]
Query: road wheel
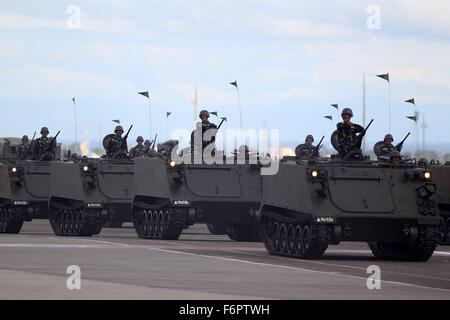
[276,236]
[283,238]
[298,241]
[306,238]
[290,239]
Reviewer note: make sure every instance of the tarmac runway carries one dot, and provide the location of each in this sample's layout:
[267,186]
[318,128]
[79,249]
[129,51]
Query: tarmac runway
[118,265]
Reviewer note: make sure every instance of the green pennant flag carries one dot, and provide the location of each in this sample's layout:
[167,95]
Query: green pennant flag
[413,118]
[384,76]
[145,94]
[329,117]
[224,119]
[215,113]
[234,84]
[116,121]
[411,101]
[335,106]
[168,114]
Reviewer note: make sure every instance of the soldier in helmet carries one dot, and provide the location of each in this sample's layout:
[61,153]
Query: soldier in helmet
[197,136]
[347,133]
[423,163]
[306,149]
[149,151]
[23,150]
[116,147]
[385,147]
[147,144]
[43,147]
[138,151]
[395,157]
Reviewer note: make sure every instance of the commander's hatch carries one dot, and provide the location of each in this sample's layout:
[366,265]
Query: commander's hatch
[212,181]
[360,190]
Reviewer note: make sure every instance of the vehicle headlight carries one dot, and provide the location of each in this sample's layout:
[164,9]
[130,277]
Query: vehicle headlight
[85,168]
[172,163]
[427,175]
[314,173]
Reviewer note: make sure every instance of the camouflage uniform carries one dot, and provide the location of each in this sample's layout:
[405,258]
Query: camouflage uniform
[117,147]
[347,134]
[198,134]
[386,148]
[41,149]
[139,150]
[305,149]
[23,151]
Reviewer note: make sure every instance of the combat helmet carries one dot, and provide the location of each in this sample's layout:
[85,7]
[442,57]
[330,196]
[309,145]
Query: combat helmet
[24,138]
[204,113]
[395,154]
[309,136]
[147,142]
[139,138]
[118,128]
[389,136]
[44,129]
[423,161]
[347,111]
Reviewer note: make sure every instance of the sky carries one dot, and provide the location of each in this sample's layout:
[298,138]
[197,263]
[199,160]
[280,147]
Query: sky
[292,59]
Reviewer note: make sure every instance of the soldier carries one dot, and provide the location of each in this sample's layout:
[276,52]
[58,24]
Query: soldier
[395,158]
[306,149]
[197,135]
[117,146]
[147,145]
[384,148]
[138,151]
[149,151]
[423,163]
[23,150]
[43,147]
[347,133]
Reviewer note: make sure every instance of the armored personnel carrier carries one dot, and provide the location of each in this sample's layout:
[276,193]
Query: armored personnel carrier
[312,203]
[170,196]
[24,187]
[441,177]
[86,194]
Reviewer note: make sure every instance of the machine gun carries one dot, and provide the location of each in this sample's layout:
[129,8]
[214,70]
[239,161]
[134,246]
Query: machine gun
[123,142]
[361,135]
[356,151]
[48,153]
[399,146]
[220,124]
[124,139]
[50,146]
[32,140]
[153,142]
[316,149]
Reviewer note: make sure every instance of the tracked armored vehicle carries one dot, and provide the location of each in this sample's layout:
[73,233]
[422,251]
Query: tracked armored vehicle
[311,204]
[169,197]
[441,177]
[24,187]
[86,194]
